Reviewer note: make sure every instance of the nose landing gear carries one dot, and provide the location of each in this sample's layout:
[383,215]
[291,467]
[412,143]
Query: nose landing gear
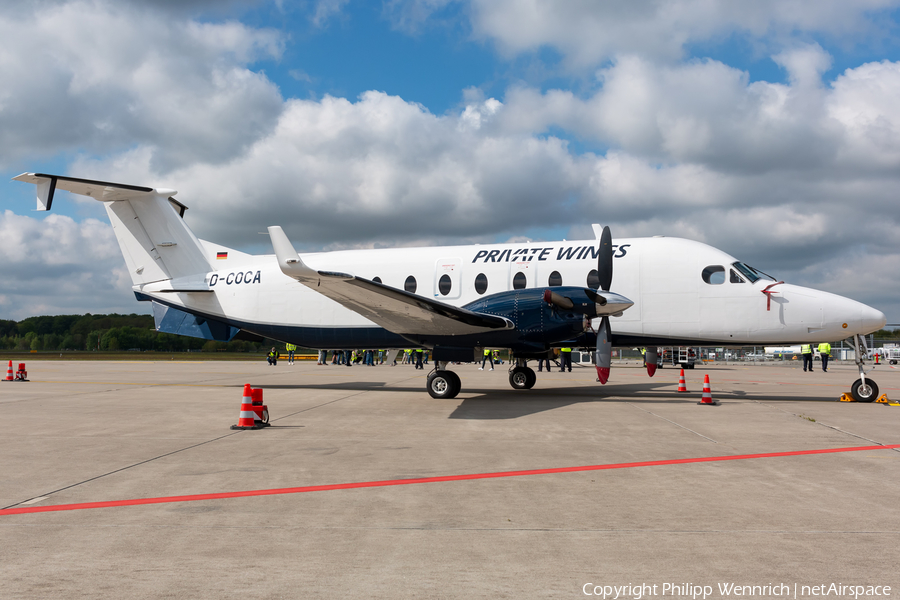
[863,389]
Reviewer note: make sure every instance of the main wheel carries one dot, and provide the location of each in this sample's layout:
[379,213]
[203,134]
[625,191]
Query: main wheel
[443,385]
[519,379]
[457,384]
[531,378]
[864,393]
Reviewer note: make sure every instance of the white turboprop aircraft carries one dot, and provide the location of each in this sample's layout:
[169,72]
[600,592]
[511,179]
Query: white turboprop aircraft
[528,297]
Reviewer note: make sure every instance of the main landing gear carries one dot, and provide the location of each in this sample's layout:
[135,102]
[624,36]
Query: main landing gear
[863,389]
[443,384]
[521,377]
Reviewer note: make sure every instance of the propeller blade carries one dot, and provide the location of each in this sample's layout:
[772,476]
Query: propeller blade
[651,357]
[605,260]
[604,351]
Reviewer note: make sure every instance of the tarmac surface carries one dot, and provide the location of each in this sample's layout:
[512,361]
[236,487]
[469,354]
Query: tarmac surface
[100,432]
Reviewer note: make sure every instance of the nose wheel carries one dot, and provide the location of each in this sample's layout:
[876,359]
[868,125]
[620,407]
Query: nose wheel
[863,389]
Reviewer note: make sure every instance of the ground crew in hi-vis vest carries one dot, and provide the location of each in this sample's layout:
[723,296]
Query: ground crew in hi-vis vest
[291,348]
[565,359]
[825,354]
[807,353]
[487,357]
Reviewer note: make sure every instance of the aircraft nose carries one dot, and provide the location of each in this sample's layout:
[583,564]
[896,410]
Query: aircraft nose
[872,319]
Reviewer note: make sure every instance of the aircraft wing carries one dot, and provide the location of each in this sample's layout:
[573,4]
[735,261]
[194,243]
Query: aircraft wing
[396,310]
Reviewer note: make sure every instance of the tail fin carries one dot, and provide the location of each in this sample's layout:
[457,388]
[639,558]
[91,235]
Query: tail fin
[148,223]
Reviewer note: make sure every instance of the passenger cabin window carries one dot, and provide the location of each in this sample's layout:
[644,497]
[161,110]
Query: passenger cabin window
[554,279]
[735,278]
[593,280]
[377,279]
[410,284]
[481,283]
[519,281]
[444,285]
[714,275]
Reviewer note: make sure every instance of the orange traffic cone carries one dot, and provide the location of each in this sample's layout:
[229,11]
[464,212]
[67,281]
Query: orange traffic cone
[681,385]
[21,374]
[707,394]
[247,419]
[9,373]
[260,410]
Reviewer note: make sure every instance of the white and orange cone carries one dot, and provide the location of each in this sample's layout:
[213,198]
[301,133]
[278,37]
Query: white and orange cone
[9,373]
[247,419]
[707,394]
[682,387]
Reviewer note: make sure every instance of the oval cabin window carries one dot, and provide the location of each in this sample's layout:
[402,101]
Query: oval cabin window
[554,279]
[593,280]
[410,284]
[519,281]
[481,283]
[377,279]
[444,285]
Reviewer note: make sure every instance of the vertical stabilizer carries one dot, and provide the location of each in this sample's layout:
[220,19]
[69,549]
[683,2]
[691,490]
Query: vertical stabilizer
[148,223]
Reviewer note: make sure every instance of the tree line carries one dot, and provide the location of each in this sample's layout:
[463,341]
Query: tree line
[107,333]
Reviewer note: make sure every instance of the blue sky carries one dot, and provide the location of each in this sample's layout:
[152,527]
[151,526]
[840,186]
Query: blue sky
[761,128]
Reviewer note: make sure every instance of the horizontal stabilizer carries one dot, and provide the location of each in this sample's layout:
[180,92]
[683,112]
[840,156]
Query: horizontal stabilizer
[103,191]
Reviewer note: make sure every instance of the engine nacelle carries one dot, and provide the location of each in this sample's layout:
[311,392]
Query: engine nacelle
[550,316]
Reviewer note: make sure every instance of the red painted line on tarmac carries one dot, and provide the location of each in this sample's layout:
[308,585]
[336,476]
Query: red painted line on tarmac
[390,482]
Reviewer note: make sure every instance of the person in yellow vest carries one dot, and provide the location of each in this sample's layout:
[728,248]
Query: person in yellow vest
[272,357]
[291,348]
[825,354]
[487,357]
[807,353]
[565,359]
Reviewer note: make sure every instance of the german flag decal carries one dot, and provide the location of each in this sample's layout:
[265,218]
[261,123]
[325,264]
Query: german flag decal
[221,255]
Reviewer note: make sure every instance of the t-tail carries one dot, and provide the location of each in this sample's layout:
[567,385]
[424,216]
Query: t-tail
[162,254]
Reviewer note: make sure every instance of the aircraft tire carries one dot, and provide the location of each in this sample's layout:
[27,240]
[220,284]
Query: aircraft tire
[443,385]
[864,394]
[531,378]
[518,378]
[457,384]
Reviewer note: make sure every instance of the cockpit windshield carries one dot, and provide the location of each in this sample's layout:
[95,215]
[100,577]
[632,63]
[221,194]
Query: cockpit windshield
[750,273]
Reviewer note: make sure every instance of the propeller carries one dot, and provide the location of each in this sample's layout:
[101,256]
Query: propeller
[605,273]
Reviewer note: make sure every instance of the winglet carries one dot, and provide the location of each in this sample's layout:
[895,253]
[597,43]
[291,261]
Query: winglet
[46,188]
[288,259]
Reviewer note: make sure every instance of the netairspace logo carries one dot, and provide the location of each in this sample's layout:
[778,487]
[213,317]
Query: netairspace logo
[728,590]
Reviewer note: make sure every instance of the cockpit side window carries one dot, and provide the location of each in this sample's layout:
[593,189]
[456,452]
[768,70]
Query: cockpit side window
[714,275]
[753,275]
[735,278]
